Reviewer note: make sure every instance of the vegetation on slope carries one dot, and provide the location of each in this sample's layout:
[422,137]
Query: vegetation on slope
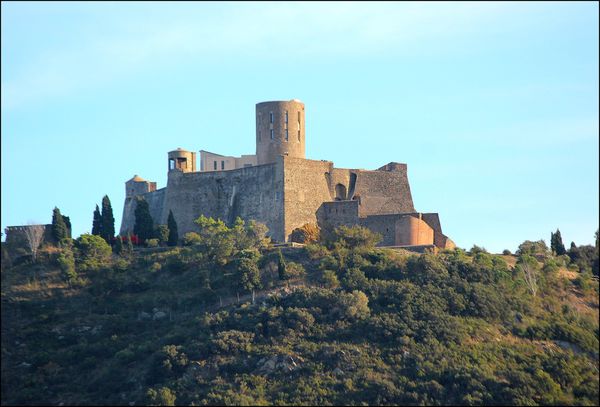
[335,322]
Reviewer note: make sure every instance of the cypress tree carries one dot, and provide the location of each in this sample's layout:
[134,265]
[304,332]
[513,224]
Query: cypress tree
[173,234]
[560,247]
[68,224]
[281,266]
[108,221]
[97,224]
[59,229]
[144,225]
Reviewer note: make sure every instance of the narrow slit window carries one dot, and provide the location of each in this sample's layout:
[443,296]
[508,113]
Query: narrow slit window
[286,116]
[222,165]
[271,134]
[215,165]
[271,116]
[286,134]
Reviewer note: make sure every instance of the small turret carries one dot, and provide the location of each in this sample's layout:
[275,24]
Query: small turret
[182,160]
[137,185]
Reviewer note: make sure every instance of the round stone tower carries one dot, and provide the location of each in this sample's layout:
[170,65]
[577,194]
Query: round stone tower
[279,130]
[182,160]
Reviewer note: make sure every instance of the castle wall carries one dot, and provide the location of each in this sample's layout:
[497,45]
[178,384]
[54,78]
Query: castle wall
[306,188]
[338,213]
[385,225]
[383,192]
[251,193]
[310,183]
[155,199]
[413,231]
[16,236]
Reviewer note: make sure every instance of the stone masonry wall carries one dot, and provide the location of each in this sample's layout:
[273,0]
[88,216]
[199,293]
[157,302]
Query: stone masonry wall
[309,183]
[306,188]
[383,192]
[155,199]
[251,193]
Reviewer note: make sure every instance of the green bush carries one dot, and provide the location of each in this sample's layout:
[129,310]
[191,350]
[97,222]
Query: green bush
[152,242]
[329,279]
[191,238]
[92,252]
[161,397]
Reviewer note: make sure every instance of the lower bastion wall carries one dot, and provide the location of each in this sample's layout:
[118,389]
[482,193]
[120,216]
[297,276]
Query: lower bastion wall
[252,193]
[310,183]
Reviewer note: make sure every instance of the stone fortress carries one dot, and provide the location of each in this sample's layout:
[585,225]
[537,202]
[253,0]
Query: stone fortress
[279,187]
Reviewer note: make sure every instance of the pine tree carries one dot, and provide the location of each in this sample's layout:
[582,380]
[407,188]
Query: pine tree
[144,225]
[108,221]
[173,234]
[59,229]
[97,224]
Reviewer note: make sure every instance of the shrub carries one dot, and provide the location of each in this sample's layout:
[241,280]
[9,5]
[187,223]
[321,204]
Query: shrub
[66,262]
[92,252]
[329,279]
[583,280]
[294,270]
[506,252]
[355,237]
[152,242]
[537,248]
[233,341]
[476,249]
[191,238]
[161,397]
[308,233]
[354,279]
[162,234]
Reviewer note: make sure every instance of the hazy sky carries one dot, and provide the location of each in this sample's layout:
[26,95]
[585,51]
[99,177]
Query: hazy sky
[493,106]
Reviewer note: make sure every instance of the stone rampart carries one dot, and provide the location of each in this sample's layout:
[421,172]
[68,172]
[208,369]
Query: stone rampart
[252,193]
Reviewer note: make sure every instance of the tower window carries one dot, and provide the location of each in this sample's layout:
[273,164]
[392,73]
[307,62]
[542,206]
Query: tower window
[215,165]
[259,135]
[286,116]
[271,116]
[286,134]
[222,165]
[259,118]
[271,134]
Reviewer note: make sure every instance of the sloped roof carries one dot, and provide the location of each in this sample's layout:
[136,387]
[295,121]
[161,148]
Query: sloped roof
[137,178]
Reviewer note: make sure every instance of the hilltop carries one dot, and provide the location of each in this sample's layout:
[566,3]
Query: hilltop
[334,322]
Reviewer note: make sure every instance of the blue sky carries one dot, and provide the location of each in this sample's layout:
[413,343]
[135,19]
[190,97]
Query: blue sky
[493,106]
